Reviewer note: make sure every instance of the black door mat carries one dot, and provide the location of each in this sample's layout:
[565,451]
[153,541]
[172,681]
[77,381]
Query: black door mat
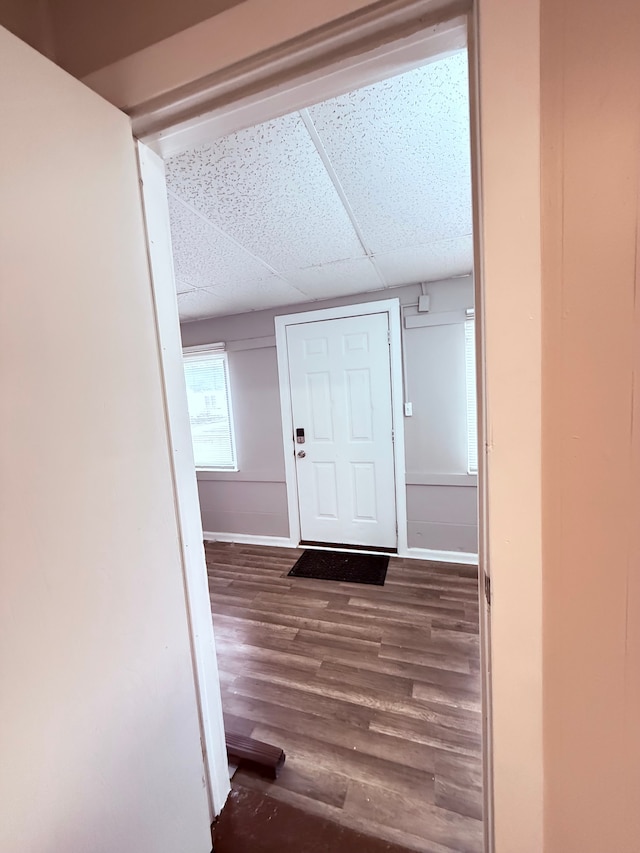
[341,566]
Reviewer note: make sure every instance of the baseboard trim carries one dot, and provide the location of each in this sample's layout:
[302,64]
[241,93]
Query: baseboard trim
[248,539]
[461,558]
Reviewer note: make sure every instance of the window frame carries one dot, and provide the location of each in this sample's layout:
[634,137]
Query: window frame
[217,351]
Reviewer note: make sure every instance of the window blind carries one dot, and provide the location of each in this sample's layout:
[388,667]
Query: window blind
[472,409]
[209,402]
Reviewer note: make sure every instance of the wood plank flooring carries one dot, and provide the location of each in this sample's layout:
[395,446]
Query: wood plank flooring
[373,692]
[254,822]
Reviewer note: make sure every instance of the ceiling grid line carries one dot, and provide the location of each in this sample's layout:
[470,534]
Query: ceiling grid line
[227,236]
[335,180]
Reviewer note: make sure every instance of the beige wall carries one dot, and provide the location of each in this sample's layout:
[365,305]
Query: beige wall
[99,733]
[591,423]
[90,35]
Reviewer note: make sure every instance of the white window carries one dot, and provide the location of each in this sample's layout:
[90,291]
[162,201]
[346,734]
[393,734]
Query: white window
[209,400]
[472,410]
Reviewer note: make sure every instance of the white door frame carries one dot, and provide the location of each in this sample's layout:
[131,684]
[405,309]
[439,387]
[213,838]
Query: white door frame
[391,307]
[187,506]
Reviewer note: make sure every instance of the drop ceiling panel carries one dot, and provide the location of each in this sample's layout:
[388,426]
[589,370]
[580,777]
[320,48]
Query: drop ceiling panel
[401,151]
[205,257]
[341,278]
[199,303]
[445,259]
[256,295]
[267,188]
[261,218]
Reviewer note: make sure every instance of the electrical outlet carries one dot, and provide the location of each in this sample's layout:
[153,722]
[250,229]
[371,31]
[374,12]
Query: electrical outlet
[408,410]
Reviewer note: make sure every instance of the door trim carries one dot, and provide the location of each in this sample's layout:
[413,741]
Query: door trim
[387,306]
[189,526]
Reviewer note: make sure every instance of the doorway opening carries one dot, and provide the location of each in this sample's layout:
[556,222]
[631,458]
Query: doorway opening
[300,660]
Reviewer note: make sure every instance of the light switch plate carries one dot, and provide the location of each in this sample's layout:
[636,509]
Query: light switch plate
[408,410]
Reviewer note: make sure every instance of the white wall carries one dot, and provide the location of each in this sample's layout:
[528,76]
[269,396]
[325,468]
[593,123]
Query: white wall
[441,499]
[99,733]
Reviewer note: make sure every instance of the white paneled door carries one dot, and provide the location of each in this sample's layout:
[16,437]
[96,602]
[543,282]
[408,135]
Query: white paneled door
[340,383]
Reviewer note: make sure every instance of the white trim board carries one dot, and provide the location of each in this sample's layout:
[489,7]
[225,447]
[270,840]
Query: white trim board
[354,550]
[417,478]
[248,539]
[240,476]
[187,505]
[462,558]
[392,308]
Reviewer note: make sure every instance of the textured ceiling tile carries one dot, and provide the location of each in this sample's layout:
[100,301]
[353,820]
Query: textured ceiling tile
[436,261]
[401,151]
[259,223]
[256,295]
[199,303]
[342,278]
[203,257]
[267,188]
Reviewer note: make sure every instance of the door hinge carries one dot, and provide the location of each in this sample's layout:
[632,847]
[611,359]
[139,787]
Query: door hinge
[389,336]
[393,436]
[487,589]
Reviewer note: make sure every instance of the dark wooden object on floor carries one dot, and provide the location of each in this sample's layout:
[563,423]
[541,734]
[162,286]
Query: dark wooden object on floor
[372,691]
[253,823]
[251,754]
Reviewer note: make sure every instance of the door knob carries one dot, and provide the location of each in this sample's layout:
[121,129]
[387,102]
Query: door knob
[301,454]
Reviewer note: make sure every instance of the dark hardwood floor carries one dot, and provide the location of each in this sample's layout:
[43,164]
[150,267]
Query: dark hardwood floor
[373,692]
[254,822]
